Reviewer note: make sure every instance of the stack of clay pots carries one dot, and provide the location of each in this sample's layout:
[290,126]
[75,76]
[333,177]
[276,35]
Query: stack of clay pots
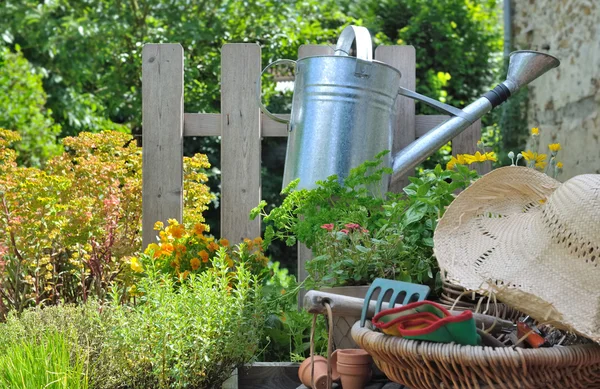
[351,366]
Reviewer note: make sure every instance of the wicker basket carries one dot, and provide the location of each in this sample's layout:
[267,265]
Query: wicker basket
[428,365]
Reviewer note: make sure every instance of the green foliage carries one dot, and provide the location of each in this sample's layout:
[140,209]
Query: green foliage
[356,237]
[22,109]
[28,364]
[458,42]
[91,50]
[66,227]
[186,335]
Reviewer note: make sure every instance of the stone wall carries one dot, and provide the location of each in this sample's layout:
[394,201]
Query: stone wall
[564,103]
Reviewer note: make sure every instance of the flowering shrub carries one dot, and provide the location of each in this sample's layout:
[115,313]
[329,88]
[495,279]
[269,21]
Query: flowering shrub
[181,252]
[66,227]
[357,237]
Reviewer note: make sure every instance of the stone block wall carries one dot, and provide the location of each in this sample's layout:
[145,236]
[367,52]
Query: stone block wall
[564,103]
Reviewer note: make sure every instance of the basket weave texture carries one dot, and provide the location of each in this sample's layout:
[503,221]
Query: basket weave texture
[428,365]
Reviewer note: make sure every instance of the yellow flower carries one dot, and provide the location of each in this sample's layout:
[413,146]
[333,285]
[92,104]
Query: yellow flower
[535,131]
[195,263]
[451,164]
[559,165]
[491,156]
[554,147]
[528,155]
[229,261]
[540,165]
[153,248]
[158,225]
[49,267]
[460,159]
[258,240]
[204,255]
[136,266]
[224,242]
[477,157]
[167,248]
[173,222]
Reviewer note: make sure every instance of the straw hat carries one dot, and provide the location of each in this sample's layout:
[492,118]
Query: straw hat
[531,241]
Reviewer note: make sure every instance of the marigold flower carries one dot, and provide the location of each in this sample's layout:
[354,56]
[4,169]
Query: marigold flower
[204,255]
[535,131]
[175,230]
[258,241]
[167,248]
[180,249]
[158,226]
[136,265]
[195,263]
[224,242]
[199,229]
[554,147]
[173,222]
[328,227]
[152,248]
[212,246]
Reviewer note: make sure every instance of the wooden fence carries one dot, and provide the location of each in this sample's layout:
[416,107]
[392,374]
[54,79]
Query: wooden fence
[241,127]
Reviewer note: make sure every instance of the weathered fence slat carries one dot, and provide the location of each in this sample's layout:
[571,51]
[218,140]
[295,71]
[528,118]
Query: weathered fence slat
[240,140]
[162,141]
[402,58]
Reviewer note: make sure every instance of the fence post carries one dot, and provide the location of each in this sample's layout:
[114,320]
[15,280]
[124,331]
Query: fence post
[402,58]
[240,140]
[162,136]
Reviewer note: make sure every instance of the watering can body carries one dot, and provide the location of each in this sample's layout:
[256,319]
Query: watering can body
[343,111]
[342,114]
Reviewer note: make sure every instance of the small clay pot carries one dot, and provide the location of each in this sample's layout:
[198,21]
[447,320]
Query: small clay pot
[320,372]
[352,356]
[354,376]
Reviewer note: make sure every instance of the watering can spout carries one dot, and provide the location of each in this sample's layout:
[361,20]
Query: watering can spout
[524,67]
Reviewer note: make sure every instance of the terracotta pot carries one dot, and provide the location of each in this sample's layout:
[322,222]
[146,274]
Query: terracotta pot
[320,372]
[353,356]
[354,376]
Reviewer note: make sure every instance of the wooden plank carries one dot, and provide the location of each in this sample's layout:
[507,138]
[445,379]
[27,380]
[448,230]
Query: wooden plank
[402,58]
[466,143]
[304,254]
[269,375]
[162,136]
[240,140]
[209,124]
[424,123]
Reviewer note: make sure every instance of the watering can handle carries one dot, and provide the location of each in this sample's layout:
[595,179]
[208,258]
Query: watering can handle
[259,91]
[364,44]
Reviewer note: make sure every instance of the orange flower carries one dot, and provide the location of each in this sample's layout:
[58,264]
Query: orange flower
[199,229]
[175,230]
[249,243]
[224,242]
[180,248]
[195,263]
[212,246]
[204,255]
[258,241]
[167,248]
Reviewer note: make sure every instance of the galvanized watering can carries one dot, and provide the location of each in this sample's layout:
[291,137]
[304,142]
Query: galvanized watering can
[343,110]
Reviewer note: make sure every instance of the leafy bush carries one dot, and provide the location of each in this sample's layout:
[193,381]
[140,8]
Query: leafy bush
[22,108]
[27,364]
[356,237]
[66,227]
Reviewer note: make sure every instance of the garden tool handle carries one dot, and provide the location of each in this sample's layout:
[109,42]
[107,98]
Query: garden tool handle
[259,90]
[351,306]
[364,44]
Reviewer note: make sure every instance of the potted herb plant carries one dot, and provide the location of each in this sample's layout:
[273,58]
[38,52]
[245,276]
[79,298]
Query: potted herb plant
[357,235]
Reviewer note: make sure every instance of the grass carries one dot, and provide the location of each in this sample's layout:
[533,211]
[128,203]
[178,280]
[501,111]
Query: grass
[47,364]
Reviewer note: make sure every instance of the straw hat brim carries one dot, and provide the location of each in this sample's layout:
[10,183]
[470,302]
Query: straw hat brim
[497,237]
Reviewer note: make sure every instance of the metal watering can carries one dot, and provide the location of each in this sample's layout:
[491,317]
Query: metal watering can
[343,110]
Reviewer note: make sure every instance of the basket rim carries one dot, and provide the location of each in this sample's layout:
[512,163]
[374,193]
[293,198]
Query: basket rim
[580,355]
